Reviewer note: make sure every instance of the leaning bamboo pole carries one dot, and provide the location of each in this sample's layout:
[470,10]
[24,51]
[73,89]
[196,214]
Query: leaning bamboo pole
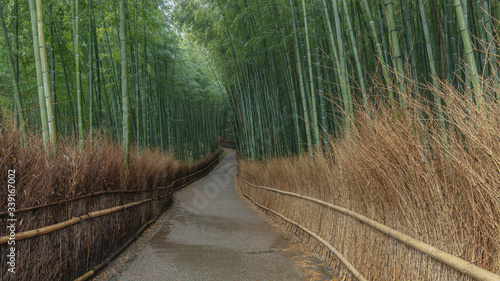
[341,257]
[452,261]
[75,220]
[92,272]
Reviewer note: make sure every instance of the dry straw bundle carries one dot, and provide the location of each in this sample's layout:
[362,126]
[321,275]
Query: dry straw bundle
[439,186]
[67,253]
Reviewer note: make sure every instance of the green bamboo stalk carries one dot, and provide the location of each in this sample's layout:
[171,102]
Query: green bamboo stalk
[46,79]
[396,51]
[346,92]
[492,49]
[76,34]
[293,100]
[16,39]
[314,113]
[430,55]
[39,78]
[125,96]
[53,68]
[380,54]
[411,41]
[469,53]
[301,83]
[91,71]
[361,79]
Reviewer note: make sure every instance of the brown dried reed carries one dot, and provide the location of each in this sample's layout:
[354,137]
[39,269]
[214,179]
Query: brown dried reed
[72,251]
[439,186]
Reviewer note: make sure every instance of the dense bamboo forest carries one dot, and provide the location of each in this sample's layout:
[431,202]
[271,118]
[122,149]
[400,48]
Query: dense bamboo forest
[298,71]
[382,109]
[81,69]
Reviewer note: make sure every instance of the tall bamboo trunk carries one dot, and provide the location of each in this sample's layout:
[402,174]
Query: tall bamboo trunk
[396,52]
[312,99]
[39,78]
[125,96]
[76,31]
[46,78]
[469,53]
[301,83]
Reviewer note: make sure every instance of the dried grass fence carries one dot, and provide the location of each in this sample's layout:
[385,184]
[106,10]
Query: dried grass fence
[77,211]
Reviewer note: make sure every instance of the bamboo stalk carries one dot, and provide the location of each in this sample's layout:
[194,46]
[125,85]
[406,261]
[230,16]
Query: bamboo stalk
[41,95]
[125,95]
[469,53]
[452,261]
[305,108]
[78,78]
[46,79]
[312,98]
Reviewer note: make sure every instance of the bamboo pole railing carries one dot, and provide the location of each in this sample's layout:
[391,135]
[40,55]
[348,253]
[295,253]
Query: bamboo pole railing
[452,261]
[346,263]
[92,272]
[104,192]
[91,215]
[216,161]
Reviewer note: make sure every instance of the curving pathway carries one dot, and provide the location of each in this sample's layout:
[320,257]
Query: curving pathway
[211,234]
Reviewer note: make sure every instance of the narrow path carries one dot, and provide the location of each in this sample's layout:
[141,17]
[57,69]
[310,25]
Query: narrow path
[211,234]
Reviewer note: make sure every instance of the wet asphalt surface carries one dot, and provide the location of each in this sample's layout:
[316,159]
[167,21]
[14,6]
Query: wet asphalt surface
[211,234]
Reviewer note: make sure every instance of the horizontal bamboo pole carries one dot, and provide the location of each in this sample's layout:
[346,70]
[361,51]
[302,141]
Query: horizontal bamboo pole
[75,220]
[97,193]
[452,261]
[347,264]
[204,174]
[92,272]
[103,192]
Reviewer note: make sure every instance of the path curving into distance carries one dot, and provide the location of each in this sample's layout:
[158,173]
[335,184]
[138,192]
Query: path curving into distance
[211,234]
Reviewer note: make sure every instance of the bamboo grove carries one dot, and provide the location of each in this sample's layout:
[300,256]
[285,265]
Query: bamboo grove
[86,68]
[296,71]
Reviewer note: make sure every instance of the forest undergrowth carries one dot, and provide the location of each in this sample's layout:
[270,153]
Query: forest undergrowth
[439,185]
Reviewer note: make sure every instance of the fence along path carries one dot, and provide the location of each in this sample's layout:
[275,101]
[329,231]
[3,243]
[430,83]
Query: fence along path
[95,214]
[452,261]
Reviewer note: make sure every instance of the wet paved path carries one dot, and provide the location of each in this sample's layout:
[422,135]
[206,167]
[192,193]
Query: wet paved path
[211,234]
